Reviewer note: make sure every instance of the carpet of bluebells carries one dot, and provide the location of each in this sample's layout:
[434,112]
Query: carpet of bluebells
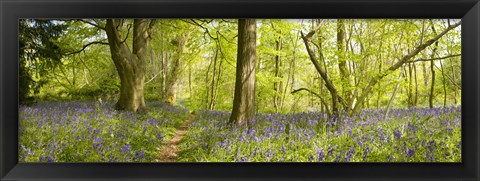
[79,131]
[406,135]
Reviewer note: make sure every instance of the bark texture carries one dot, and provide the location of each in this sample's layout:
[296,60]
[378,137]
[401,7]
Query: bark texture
[244,99]
[130,64]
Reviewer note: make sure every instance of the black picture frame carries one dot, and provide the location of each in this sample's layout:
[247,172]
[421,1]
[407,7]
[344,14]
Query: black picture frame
[467,10]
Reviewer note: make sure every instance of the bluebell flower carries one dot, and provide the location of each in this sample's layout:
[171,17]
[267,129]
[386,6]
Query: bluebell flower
[140,155]
[397,134]
[320,154]
[125,148]
[366,151]
[160,136]
[152,122]
[409,152]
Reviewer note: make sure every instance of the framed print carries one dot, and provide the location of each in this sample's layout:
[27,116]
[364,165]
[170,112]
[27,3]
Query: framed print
[239,90]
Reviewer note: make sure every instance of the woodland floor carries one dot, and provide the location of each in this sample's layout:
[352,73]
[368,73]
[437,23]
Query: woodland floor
[169,152]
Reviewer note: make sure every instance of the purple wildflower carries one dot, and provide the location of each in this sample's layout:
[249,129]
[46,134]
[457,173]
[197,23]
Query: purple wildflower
[320,154]
[153,122]
[140,155]
[397,134]
[160,136]
[409,152]
[125,148]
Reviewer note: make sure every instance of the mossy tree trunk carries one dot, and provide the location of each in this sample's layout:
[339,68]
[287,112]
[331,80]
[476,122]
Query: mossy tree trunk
[177,69]
[130,64]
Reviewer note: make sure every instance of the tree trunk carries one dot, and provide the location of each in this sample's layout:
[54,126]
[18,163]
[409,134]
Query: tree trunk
[379,84]
[432,86]
[393,96]
[219,78]
[164,67]
[277,85]
[131,65]
[164,74]
[211,105]
[177,69]
[455,88]
[410,85]
[243,110]
[328,82]
[444,85]
[190,81]
[342,62]
[207,92]
[415,99]
[291,78]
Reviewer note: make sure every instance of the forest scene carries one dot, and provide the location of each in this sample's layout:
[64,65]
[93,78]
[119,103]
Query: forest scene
[240,90]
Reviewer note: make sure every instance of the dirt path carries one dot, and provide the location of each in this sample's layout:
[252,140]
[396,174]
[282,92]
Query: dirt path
[169,151]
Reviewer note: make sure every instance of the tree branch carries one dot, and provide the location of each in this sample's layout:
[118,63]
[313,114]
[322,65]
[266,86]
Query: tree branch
[129,26]
[152,78]
[87,45]
[429,59]
[449,78]
[314,93]
[328,81]
[398,64]
[421,47]
[93,24]
[203,27]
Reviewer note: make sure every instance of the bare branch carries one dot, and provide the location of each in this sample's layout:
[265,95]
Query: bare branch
[429,59]
[314,93]
[129,26]
[311,33]
[308,90]
[87,45]
[203,27]
[152,78]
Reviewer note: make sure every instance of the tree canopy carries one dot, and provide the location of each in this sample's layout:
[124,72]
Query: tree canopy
[301,65]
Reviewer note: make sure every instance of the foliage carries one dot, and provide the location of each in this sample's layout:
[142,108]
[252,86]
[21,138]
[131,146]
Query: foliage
[37,54]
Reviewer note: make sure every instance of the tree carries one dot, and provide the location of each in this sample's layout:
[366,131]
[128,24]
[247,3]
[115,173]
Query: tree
[130,64]
[404,59]
[328,81]
[177,69]
[243,110]
[336,98]
[193,61]
[38,53]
